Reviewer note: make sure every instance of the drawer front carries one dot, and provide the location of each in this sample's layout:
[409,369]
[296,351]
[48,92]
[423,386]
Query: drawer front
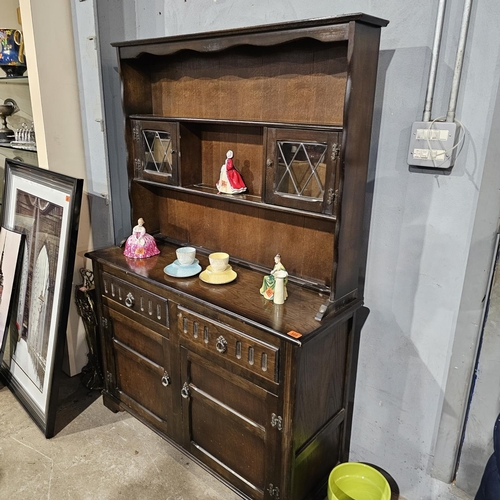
[145,303]
[229,344]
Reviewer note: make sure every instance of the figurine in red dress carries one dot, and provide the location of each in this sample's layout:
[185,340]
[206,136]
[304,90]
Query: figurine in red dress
[230,181]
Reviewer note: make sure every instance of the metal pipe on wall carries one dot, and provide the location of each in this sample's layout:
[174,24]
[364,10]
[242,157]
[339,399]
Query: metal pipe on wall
[434,61]
[450,117]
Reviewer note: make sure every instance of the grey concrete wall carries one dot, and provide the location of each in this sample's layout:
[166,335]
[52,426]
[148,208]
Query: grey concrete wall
[485,406]
[422,226]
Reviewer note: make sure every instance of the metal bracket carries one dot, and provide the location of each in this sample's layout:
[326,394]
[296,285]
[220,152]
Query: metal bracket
[335,151]
[332,195]
[185,391]
[138,166]
[333,305]
[274,491]
[165,380]
[276,421]
[136,132]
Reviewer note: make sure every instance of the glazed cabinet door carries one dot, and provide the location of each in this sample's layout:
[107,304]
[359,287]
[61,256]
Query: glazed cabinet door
[138,368]
[231,425]
[302,169]
[156,151]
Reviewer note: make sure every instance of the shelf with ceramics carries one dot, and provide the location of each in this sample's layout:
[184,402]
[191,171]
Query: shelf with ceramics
[285,167]
[19,80]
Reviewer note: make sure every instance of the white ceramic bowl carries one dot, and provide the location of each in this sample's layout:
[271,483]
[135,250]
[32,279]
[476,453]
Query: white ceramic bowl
[186,255]
[219,261]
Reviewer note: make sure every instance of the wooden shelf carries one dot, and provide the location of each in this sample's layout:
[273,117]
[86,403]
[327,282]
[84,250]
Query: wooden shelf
[8,146]
[297,125]
[19,80]
[244,199]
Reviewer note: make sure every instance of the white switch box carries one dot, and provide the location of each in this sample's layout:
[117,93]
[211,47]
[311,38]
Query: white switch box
[432,145]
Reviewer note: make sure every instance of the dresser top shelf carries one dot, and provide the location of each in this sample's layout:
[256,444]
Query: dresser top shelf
[310,27]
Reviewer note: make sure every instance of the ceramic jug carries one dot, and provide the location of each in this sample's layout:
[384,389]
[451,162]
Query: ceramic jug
[279,287]
[12,59]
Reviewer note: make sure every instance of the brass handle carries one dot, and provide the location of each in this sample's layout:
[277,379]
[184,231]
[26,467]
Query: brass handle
[165,380]
[269,162]
[221,345]
[185,392]
[129,300]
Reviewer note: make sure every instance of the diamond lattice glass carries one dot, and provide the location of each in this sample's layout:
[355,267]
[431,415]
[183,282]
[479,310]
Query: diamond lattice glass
[158,154]
[301,169]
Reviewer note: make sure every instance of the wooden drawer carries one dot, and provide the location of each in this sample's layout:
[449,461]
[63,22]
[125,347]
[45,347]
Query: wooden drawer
[144,303]
[229,344]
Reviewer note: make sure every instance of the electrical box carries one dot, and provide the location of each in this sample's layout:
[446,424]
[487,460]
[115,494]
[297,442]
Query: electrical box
[433,145]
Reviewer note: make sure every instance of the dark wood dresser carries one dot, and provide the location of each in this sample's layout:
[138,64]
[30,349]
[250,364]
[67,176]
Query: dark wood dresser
[259,393]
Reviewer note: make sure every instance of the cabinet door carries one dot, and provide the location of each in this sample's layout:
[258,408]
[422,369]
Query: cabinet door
[230,424]
[141,378]
[156,151]
[301,169]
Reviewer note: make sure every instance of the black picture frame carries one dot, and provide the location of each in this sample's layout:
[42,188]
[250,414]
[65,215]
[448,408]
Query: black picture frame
[45,206]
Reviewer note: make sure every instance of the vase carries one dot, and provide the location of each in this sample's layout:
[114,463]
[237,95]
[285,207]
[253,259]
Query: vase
[12,59]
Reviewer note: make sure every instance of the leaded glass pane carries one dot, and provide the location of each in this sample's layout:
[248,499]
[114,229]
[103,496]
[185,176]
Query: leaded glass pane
[158,151]
[301,169]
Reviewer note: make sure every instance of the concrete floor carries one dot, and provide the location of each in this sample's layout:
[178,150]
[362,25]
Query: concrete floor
[99,455]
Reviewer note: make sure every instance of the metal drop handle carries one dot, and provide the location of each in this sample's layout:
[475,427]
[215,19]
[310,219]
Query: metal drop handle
[165,380]
[221,345]
[269,162]
[129,300]
[185,392]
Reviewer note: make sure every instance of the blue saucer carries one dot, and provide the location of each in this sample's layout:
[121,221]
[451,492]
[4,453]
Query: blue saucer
[177,270]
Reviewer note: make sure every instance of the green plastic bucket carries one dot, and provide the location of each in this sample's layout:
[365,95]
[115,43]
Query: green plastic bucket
[355,481]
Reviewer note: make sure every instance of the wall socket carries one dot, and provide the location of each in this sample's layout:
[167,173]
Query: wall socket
[432,145]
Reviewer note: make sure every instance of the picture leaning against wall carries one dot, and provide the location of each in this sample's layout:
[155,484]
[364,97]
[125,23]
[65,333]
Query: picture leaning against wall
[11,252]
[44,206]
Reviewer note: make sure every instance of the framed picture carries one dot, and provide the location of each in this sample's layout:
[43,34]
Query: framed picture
[45,207]
[11,248]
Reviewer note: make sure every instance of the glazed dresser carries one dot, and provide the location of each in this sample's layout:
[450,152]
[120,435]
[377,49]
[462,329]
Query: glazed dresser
[260,394]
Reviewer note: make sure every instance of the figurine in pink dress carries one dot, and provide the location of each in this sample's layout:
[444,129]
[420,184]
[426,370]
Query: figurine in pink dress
[140,244]
[230,181]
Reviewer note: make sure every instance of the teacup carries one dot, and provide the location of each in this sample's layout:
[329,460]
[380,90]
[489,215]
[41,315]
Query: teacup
[219,261]
[186,255]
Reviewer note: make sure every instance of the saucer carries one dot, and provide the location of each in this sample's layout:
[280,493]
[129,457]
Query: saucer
[177,270]
[177,263]
[219,277]
[210,269]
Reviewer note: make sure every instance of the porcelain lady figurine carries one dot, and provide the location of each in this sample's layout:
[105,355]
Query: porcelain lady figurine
[230,181]
[269,282]
[140,245]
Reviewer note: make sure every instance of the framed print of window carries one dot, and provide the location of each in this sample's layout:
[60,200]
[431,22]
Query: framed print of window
[45,207]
